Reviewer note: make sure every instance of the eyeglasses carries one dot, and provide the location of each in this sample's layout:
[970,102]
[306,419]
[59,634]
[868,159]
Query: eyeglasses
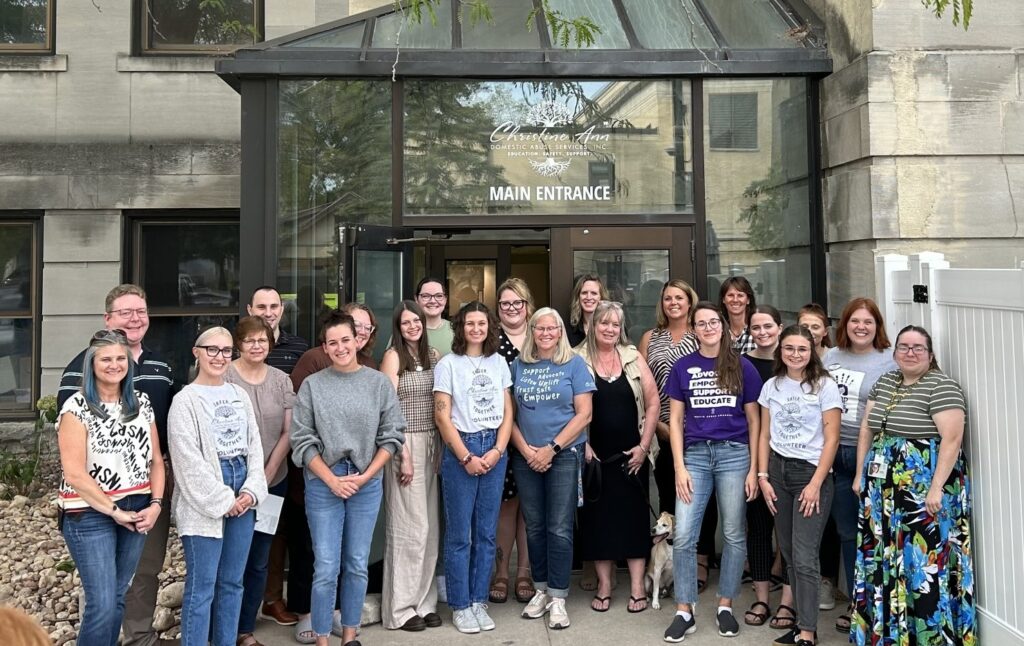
[126,313]
[547,329]
[212,351]
[508,306]
[364,327]
[251,342]
[903,348]
[713,324]
[112,336]
[432,297]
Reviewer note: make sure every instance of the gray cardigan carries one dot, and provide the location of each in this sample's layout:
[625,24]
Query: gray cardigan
[200,496]
[350,415]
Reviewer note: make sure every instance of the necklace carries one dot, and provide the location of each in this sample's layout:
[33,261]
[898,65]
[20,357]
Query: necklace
[476,364]
[610,373]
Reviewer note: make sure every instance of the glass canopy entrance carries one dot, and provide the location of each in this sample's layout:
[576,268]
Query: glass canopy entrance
[690,123]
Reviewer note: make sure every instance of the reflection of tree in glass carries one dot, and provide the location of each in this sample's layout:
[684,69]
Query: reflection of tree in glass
[446,158]
[335,152]
[201,22]
[22,21]
[765,212]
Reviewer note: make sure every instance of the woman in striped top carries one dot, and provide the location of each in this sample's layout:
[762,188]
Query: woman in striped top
[914,579]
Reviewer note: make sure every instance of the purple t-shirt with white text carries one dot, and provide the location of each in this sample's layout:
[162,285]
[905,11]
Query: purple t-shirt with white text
[711,413]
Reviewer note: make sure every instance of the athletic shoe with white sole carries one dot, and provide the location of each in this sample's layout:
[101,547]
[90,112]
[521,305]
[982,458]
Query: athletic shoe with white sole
[558,618]
[679,629]
[465,621]
[482,618]
[727,624]
[538,605]
[826,595]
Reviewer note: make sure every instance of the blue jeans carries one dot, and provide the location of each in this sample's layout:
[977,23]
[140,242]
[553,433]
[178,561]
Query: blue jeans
[471,505]
[255,579]
[846,510]
[213,572]
[106,555]
[342,530]
[548,501]
[723,467]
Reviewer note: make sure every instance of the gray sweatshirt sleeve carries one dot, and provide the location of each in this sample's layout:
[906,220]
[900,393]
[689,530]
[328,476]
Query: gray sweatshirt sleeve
[195,479]
[303,436]
[391,430]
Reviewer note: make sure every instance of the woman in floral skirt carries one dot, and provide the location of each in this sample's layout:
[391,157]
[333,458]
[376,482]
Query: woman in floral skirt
[914,581]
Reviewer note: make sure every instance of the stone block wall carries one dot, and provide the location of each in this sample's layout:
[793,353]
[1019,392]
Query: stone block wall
[922,137]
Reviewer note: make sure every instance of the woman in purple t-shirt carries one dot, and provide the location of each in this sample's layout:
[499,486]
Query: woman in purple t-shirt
[715,391]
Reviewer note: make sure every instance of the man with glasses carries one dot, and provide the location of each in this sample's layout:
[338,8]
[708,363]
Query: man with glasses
[288,348]
[266,304]
[430,295]
[125,309]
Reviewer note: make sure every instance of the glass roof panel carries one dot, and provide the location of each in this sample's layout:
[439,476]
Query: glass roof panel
[753,24]
[347,37]
[422,35]
[507,30]
[669,24]
[602,12]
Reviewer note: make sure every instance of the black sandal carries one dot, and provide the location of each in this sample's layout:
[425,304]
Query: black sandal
[602,601]
[754,618]
[633,601]
[783,623]
[844,621]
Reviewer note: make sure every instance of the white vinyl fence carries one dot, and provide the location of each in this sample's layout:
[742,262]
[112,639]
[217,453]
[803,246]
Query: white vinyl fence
[976,319]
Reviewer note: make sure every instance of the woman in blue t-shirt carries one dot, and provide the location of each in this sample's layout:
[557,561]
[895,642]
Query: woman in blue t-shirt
[552,389]
[715,390]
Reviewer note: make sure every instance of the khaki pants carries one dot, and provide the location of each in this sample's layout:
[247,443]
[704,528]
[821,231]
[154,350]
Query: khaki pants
[412,526]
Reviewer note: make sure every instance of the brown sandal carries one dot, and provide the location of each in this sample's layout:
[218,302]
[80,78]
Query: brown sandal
[248,639]
[524,589]
[499,590]
[778,622]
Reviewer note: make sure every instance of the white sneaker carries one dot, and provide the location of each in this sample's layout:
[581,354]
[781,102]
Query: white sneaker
[558,618]
[482,618]
[826,595]
[538,605]
[465,621]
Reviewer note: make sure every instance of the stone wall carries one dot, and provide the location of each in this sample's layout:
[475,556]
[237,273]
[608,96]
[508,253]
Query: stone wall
[923,137]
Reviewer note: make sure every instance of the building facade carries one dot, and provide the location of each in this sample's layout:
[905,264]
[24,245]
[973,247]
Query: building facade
[124,156]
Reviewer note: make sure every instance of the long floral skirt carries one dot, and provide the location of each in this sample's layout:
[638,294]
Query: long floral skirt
[914,581]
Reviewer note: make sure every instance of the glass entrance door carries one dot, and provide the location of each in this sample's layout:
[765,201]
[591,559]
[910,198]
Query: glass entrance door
[633,263]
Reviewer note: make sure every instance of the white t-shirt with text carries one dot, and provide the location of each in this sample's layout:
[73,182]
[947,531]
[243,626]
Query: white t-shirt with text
[796,425]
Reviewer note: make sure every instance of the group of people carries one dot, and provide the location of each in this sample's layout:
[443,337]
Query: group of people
[492,419]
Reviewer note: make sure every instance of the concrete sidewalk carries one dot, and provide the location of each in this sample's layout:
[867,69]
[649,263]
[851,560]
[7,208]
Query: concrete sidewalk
[589,628]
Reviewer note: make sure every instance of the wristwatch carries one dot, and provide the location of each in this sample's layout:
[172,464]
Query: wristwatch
[556,448]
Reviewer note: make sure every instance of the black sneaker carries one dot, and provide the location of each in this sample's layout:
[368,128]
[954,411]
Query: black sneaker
[680,628]
[788,638]
[727,625]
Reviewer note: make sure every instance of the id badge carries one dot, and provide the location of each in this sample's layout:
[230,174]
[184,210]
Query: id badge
[878,467]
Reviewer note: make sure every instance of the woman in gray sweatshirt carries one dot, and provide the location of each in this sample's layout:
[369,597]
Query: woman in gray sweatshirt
[346,425]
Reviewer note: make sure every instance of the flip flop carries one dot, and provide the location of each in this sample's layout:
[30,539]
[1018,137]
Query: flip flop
[754,618]
[635,600]
[602,601]
[783,623]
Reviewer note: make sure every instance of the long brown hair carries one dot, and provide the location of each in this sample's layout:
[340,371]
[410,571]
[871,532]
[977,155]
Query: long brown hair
[406,361]
[681,285]
[740,284]
[881,341]
[727,363]
[459,342]
[813,371]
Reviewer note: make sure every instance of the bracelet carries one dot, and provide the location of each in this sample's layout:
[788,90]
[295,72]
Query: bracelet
[157,501]
[645,449]
[469,456]
[762,475]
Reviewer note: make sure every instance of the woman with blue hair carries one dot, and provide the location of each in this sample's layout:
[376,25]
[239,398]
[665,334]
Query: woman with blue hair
[111,488]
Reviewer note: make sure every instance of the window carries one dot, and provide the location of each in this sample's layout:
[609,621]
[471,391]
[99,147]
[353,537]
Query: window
[733,121]
[19,355]
[188,265]
[199,26]
[26,26]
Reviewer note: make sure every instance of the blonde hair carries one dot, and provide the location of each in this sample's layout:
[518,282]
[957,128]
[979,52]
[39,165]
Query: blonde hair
[681,285]
[605,310]
[575,309]
[19,629]
[203,337]
[563,352]
[518,287]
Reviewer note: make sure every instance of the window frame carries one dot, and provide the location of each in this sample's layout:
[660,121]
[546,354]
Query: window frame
[47,48]
[34,312]
[710,124]
[141,33]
